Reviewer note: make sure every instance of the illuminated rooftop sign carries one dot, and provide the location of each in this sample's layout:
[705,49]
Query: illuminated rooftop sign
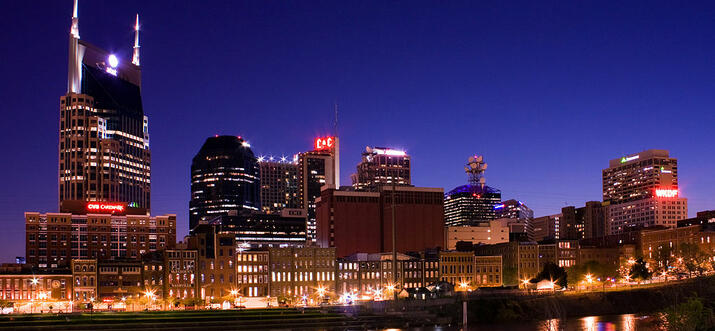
[103,207]
[324,143]
[630,158]
[113,63]
[666,193]
[390,152]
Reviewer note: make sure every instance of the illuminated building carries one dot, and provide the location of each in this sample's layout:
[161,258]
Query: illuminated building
[216,262]
[261,230]
[23,283]
[252,272]
[564,253]
[181,273]
[317,168]
[301,272]
[224,180]
[652,239]
[356,221]
[382,166]
[641,190]
[104,139]
[279,185]
[701,218]
[102,231]
[473,203]
[520,259]
[544,228]
[492,232]
[584,222]
[513,209]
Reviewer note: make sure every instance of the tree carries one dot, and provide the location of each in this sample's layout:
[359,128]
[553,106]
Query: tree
[553,273]
[687,316]
[639,271]
[664,258]
[694,258]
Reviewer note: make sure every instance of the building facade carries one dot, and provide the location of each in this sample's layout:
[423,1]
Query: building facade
[279,185]
[641,190]
[584,222]
[54,239]
[224,180]
[354,222]
[473,203]
[520,259]
[104,137]
[544,228]
[493,232]
[317,168]
[514,209]
[382,166]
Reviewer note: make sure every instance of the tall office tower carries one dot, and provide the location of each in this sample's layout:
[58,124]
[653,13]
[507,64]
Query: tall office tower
[316,168]
[104,139]
[513,209]
[279,185]
[382,166]
[583,223]
[544,228]
[641,190]
[224,180]
[473,203]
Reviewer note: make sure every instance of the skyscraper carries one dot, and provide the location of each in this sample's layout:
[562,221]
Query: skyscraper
[279,185]
[318,167]
[473,203]
[104,139]
[224,180]
[514,209]
[382,166]
[641,190]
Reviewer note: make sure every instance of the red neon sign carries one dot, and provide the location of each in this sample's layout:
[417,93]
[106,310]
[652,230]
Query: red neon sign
[666,193]
[105,207]
[324,143]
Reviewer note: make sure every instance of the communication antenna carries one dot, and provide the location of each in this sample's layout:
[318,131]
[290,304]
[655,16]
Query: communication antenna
[475,169]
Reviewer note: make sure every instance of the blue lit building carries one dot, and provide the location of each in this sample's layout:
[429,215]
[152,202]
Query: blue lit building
[473,203]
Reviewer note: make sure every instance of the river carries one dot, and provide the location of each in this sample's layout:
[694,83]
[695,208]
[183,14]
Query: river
[625,322]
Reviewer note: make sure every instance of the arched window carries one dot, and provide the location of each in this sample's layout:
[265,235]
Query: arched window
[84,268]
[91,281]
[84,281]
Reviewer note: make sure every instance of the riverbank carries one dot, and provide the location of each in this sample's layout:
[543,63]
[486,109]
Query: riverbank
[571,305]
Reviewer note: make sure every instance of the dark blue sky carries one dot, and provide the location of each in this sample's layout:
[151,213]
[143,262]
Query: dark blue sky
[547,91]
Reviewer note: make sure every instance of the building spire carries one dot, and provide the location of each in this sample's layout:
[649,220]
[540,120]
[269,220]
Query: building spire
[135,57]
[75,21]
[74,72]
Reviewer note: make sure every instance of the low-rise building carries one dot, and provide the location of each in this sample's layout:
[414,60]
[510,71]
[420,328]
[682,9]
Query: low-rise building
[491,232]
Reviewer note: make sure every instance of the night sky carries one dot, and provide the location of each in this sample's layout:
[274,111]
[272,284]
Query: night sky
[547,91]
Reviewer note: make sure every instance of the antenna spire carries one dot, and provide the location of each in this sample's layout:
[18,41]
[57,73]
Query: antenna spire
[74,73]
[135,57]
[335,128]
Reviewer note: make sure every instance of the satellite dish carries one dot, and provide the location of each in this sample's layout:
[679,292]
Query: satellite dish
[466,168]
[484,166]
[368,149]
[473,165]
[479,158]
[471,159]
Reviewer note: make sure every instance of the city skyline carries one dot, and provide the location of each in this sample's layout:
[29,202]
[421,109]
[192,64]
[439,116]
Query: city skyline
[537,166]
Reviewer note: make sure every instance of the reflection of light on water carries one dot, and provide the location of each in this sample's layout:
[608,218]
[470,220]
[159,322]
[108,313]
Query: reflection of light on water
[629,322]
[551,325]
[589,323]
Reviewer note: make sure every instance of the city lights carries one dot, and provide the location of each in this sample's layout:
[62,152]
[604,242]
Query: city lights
[324,143]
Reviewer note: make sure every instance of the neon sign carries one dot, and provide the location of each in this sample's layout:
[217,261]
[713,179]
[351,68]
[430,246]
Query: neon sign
[630,158]
[105,207]
[324,143]
[391,152]
[666,193]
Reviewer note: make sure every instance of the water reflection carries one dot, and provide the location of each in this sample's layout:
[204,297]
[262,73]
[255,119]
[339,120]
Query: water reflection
[551,325]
